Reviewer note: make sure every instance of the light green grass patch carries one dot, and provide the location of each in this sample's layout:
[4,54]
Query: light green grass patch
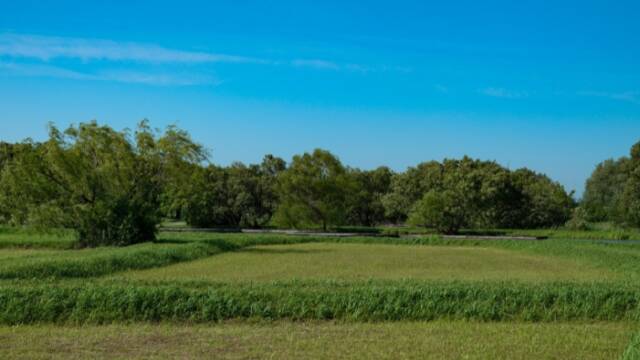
[321,340]
[322,261]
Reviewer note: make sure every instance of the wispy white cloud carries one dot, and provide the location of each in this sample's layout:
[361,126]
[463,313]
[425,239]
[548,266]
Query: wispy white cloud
[48,47]
[320,64]
[316,64]
[157,78]
[135,77]
[36,55]
[503,93]
[42,70]
[628,96]
[441,88]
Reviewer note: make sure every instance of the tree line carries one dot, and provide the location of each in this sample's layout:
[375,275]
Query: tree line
[114,187]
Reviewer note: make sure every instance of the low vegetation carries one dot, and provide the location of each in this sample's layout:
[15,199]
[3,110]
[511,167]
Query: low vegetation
[103,261]
[323,340]
[318,261]
[106,302]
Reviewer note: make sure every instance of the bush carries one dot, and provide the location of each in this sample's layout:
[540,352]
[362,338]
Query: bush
[578,220]
[439,210]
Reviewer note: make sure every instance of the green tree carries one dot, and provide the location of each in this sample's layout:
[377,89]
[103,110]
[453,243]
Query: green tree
[235,196]
[103,183]
[409,187]
[488,195]
[579,219]
[501,201]
[313,191]
[629,203]
[365,205]
[207,200]
[546,202]
[441,210]
[613,191]
[179,158]
[604,188]
[252,191]
[6,154]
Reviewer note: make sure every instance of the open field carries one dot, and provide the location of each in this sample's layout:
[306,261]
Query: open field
[248,296]
[317,261]
[321,340]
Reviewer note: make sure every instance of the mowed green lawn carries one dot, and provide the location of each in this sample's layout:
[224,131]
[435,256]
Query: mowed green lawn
[322,261]
[321,340]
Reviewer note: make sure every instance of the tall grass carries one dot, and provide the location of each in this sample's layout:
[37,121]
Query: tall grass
[12,237]
[399,301]
[98,262]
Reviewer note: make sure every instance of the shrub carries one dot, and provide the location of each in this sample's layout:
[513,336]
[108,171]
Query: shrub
[439,210]
[578,220]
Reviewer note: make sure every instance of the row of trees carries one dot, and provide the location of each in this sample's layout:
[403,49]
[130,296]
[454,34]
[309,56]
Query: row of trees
[612,192]
[114,187]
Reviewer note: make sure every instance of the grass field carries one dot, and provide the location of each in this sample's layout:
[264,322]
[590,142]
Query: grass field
[8,254]
[321,340]
[270,295]
[317,261]
[25,238]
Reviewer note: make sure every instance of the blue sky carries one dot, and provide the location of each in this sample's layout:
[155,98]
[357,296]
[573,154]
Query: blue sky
[551,86]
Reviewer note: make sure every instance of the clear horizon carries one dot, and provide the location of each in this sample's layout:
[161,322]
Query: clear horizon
[552,88]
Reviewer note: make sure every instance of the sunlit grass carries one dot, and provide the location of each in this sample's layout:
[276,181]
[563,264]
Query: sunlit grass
[11,237]
[321,340]
[365,261]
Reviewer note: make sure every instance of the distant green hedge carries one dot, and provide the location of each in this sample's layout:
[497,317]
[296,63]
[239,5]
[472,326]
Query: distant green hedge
[370,301]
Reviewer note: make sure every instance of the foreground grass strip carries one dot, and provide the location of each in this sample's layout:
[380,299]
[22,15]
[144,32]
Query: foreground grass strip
[369,301]
[98,262]
[320,340]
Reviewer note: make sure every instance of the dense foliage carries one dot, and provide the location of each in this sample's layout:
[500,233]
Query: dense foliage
[473,193]
[92,179]
[235,196]
[613,191]
[364,202]
[113,188]
[313,190]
